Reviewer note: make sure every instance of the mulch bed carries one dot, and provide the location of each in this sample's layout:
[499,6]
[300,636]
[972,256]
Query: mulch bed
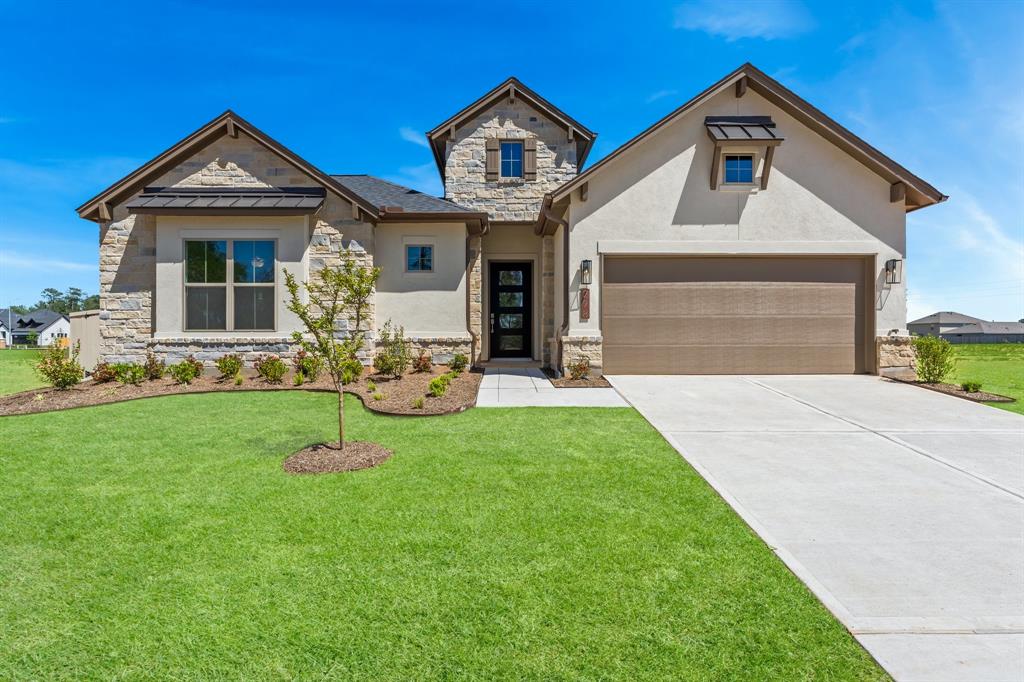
[954,390]
[397,394]
[325,458]
[569,382]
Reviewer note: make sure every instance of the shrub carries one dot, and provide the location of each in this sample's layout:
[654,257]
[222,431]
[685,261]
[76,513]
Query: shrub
[935,359]
[353,366]
[298,379]
[347,377]
[378,396]
[103,372]
[580,369]
[438,386]
[971,386]
[309,365]
[422,362]
[271,368]
[238,380]
[458,363]
[417,403]
[154,367]
[370,386]
[129,373]
[229,365]
[393,357]
[60,368]
[184,372]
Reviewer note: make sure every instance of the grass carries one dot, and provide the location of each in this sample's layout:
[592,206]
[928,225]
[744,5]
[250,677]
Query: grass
[163,540]
[998,366]
[17,370]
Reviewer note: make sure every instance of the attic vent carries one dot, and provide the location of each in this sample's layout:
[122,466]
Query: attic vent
[533,119]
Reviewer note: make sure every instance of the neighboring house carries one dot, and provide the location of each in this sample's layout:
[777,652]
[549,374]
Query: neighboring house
[987,332]
[46,326]
[940,323]
[744,232]
[5,332]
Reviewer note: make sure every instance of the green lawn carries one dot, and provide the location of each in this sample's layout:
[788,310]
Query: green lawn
[998,366]
[17,370]
[160,538]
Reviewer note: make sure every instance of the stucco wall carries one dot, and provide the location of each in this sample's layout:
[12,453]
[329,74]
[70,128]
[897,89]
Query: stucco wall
[507,198]
[427,304]
[657,197]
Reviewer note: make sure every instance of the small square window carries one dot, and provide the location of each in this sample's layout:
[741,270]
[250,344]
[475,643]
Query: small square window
[511,159]
[419,258]
[739,169]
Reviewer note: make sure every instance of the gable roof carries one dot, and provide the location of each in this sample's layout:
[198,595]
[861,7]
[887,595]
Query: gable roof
[512,85]
[229,123]
[946,317]
[918,192]
[988,328]
[35,321]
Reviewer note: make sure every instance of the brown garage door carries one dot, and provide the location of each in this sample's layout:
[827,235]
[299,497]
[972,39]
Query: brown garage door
[733,315]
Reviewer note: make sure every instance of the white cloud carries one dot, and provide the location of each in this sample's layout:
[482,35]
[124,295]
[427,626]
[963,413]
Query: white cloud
[768,19]
[424,178]
[655,96]
[410,135]
[23,261]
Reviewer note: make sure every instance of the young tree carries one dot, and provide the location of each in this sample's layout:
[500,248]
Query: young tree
[335,294]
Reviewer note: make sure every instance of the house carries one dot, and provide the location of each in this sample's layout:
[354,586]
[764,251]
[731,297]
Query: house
[39,327]
[987,332]
[744,232]
[940,323]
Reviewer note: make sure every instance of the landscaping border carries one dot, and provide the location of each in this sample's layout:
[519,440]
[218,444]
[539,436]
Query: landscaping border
[957,392]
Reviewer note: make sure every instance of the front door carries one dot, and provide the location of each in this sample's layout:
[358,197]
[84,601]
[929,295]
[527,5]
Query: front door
[511,314]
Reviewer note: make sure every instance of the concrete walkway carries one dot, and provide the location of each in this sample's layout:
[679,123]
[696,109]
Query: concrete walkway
[901,508]
[504,387]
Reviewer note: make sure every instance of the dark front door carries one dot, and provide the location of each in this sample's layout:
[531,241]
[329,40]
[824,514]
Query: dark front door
[511,318]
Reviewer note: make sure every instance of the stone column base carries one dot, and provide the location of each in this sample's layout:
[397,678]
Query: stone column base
[576,348]
[441,348]
[895,357]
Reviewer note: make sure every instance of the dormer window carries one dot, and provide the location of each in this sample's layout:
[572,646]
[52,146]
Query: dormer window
[739,169]
[511,159]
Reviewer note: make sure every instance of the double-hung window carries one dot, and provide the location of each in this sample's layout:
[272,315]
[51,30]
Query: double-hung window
[230,285]
[739,169]
[511,159]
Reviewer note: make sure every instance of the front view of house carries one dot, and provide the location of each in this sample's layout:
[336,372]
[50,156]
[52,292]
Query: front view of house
[746,232]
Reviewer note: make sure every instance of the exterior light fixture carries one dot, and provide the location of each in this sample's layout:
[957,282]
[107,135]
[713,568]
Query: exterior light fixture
[585,272]
[893,271]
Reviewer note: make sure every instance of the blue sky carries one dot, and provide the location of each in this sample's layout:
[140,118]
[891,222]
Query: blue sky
[88,93]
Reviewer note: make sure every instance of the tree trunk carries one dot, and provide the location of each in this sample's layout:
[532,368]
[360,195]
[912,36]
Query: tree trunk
[341,419]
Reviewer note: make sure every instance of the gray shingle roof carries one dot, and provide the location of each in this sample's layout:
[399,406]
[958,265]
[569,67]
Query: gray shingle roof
[33,321]
[946,317]
[990,328]
[381,192]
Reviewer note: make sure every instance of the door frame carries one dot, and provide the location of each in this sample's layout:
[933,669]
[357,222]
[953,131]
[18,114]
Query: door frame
[488,261]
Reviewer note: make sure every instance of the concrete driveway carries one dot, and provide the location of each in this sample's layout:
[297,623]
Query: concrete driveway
[901,508]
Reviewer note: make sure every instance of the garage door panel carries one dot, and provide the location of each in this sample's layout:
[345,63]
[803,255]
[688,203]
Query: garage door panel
[729,298]
[732,330]
[733,315]
[727,359]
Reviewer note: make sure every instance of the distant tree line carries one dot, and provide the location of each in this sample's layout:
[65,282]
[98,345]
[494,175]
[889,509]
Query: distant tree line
[72,300]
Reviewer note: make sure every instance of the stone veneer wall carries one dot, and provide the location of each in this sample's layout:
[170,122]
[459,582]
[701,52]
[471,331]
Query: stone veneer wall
[576,348]
[511,199]
[127,280]
[895,356]
[475,298]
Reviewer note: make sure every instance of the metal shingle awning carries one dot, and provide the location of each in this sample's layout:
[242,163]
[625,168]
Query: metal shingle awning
[228,200]
[724,129]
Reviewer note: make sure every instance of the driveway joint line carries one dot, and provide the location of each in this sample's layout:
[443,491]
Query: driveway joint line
[896,441]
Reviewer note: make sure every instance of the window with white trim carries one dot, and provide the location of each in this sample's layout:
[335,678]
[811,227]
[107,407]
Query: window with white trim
[245,301]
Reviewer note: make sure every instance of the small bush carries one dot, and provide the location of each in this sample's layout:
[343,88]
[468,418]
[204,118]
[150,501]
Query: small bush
[129,373]
[186,371]
[417,403]
[438,386]
[458,363]
[971,386]
[238,380]
[298,379]
[422,362]
[393,357]
[353,366]
[271,368]
[935,359]
[155,368]
[378,396]
[370,386]
[59,367]
[580,369]
[103,373]
[308,365]
[229,365]
[347,377]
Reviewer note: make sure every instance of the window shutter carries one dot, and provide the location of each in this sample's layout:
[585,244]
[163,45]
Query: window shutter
[493,158]
[530,158]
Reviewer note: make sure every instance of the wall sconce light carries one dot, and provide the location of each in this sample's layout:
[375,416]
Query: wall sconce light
[585,272]
[893,271]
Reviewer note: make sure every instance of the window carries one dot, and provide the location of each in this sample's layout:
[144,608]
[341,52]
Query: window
[419,258]
[739,168]
[511,159]
[246,300]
